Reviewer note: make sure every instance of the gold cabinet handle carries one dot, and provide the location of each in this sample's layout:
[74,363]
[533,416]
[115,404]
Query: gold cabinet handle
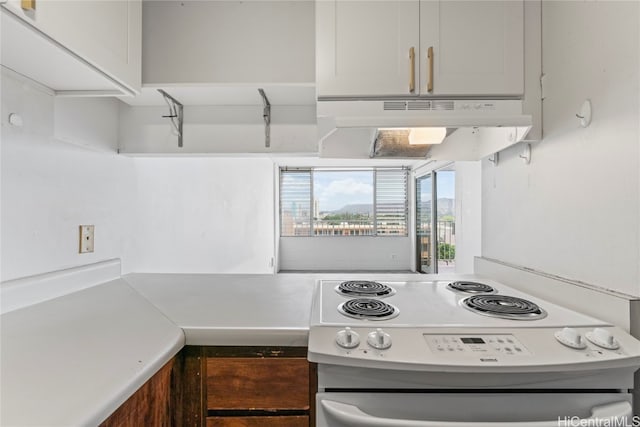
[28,4]
[412,70]
[430,69]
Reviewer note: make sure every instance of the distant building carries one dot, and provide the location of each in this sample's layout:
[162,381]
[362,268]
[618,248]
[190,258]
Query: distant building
[345,228]
[316,208]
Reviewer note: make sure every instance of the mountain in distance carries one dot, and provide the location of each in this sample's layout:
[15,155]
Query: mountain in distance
[446,206]
[356,208]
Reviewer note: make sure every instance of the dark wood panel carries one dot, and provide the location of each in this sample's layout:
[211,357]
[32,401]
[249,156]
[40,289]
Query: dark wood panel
[235,351]
[257,383]
[288,421]
[187,388]
[313,389]
[149,405]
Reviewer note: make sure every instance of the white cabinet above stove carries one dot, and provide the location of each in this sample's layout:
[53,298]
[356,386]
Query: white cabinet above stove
[425,48]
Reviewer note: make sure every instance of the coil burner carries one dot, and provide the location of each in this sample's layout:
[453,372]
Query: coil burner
[504,307]
[364,288]
[471,288]
[368,309]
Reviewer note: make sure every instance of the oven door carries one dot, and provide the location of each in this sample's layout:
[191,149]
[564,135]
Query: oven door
[540,409]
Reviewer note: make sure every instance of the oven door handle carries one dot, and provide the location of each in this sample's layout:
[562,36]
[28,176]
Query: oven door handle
[352,416]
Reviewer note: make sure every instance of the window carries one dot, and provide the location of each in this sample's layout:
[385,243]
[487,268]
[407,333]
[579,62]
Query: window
[364,202]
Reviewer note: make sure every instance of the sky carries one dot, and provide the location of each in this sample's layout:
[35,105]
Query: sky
[446,186]
[335,190]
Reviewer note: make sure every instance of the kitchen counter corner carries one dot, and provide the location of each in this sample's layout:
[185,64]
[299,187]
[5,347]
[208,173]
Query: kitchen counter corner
[232,309]
[73,360]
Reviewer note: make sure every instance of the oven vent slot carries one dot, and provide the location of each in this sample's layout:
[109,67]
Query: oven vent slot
[419,105]
[394,106]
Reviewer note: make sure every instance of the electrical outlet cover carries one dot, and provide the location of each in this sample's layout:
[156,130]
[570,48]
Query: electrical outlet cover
[86,238]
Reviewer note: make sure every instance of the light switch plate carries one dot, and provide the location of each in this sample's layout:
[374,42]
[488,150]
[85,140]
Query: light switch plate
[86,238]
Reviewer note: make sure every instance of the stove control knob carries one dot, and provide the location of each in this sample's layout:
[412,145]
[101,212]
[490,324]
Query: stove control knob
[379,339]
[571,338]
[347,338]
[602,338]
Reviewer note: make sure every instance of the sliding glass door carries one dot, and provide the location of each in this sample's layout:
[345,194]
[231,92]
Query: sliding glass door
[435,222]
[445,203]
[424,224]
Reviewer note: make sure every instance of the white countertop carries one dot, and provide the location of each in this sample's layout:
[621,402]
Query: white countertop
[73,360]
[232,309]
[239,309]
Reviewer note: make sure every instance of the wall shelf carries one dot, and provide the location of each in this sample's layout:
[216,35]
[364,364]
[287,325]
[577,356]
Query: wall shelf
[226,94]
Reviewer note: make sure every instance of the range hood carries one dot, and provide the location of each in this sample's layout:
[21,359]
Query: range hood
[381,128]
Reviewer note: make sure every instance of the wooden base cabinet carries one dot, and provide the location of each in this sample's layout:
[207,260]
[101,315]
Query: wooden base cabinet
[246,387]
[271,421]
[150,405]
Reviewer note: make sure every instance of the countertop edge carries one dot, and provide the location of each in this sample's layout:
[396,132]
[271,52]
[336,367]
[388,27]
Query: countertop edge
[113,402]
[288,337]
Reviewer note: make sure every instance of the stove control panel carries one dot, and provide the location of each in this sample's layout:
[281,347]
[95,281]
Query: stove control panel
[480,345]
[465,349]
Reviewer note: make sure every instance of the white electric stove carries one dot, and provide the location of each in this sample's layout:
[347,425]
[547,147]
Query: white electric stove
[396,353]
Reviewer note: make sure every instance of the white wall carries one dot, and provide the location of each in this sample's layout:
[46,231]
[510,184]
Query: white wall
[88,122]
[219,129]
[575,210]
[346,253]
[190,214]
[228,41]
[158,214]
[49,188]
[468,215]
[203,215]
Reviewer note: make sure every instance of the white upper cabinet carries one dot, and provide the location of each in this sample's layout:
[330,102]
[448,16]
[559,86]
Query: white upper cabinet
[363,47]
[460,48]
[477,47]
[95,45]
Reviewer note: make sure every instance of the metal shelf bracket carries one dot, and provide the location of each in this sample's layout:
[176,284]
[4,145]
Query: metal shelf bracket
[176,114]
[495,158]
[266,115]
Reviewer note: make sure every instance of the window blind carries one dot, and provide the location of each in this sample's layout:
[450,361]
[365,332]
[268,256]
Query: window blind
[295,202]
[391,207]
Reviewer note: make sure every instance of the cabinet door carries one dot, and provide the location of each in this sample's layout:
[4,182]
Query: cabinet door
[478,47]
[362,47]
[259,421]
[269,384]
[106,33]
